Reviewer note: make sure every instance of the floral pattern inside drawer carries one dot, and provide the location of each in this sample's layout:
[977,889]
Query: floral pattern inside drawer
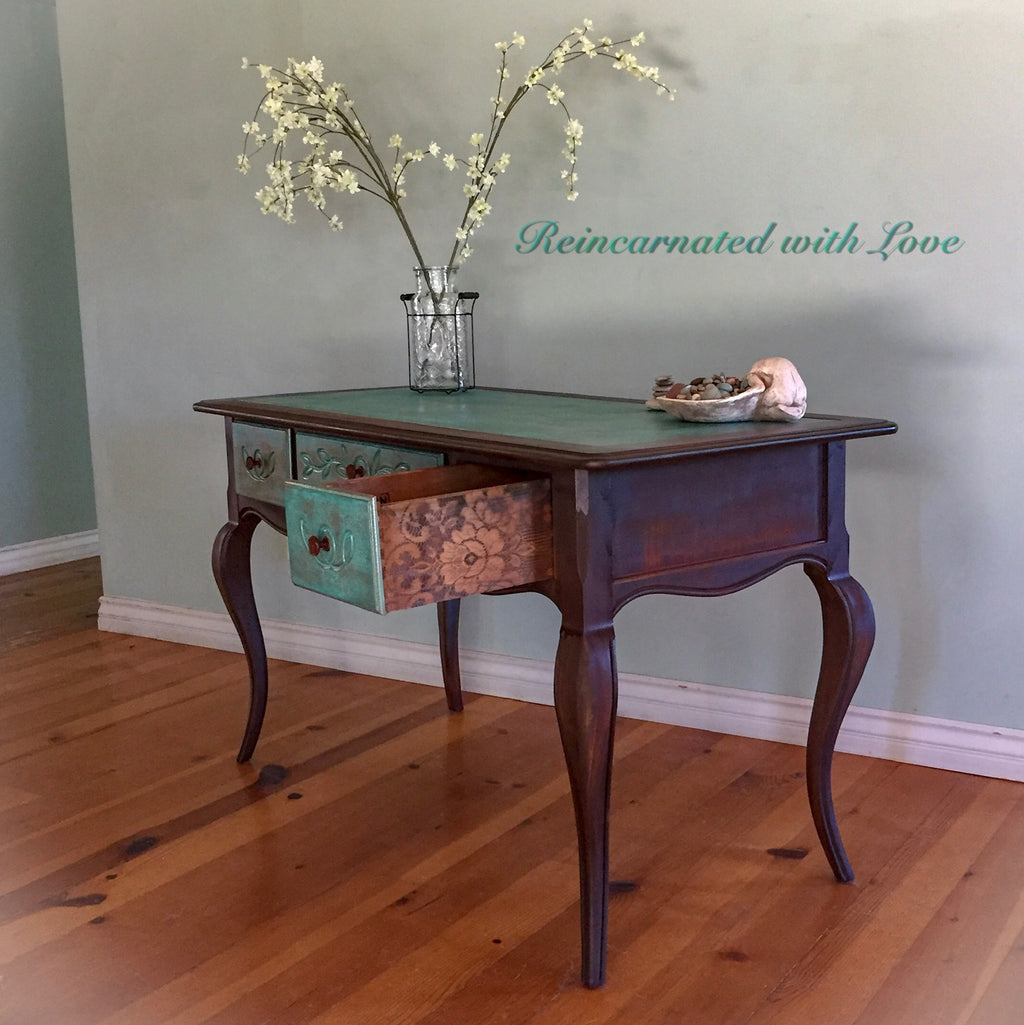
[320,459]
[261,461]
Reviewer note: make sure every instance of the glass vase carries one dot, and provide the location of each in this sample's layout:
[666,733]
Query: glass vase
[440,328]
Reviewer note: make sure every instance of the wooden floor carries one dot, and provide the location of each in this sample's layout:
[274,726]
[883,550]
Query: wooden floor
[384,862]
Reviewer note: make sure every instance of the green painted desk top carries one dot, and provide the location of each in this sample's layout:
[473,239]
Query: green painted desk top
[559,429]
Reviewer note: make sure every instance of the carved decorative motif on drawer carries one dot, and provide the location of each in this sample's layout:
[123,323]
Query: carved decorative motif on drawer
[331,554]
[259,465]
[324,464]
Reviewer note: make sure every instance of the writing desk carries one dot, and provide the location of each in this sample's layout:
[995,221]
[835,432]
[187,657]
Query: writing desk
[634,503]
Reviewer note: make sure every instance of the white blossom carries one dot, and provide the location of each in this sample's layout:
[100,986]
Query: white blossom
[307,120]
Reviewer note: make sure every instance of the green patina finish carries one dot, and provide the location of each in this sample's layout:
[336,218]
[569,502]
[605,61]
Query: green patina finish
[343,561]
[323,458]
[567,421]
[261,461]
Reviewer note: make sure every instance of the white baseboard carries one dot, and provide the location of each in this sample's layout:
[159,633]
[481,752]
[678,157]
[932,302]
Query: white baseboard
[48,552]
[920,740]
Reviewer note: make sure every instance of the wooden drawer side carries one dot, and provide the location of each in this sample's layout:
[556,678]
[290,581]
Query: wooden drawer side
[449,546]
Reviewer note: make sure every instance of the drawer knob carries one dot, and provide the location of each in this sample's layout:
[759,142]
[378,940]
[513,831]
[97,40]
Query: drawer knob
[319,544]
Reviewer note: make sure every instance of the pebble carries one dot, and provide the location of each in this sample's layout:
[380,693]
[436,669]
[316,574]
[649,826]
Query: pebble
[706,389]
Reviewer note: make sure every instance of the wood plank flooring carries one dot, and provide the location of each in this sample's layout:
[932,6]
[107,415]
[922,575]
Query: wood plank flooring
[382,861]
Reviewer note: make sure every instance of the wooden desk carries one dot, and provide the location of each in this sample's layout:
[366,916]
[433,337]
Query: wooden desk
[639,504]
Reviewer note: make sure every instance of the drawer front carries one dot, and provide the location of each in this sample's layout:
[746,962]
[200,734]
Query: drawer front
[261,461]
[320,458]
[334,545]
[384,550]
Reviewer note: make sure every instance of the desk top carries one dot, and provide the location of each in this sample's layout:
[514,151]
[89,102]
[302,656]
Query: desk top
[548,429]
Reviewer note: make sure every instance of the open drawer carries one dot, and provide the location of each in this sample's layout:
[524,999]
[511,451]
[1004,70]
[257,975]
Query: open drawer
[422,536]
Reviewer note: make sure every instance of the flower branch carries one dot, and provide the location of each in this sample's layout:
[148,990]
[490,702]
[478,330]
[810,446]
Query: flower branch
[341,157]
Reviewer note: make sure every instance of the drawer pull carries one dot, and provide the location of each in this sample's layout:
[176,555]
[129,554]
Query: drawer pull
[321,543]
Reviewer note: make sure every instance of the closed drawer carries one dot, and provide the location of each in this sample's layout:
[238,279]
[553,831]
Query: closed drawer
[393,542]
[321,458]
[261,461]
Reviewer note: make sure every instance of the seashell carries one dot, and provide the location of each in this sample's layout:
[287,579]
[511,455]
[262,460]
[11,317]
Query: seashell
[785,394]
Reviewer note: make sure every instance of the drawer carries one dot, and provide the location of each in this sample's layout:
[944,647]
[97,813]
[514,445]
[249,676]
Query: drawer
[393,542]
[261,461]
[321,458]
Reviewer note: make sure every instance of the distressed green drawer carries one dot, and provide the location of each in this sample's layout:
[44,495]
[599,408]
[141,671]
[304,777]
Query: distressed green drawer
[393,542]
[261,459]
[321,458]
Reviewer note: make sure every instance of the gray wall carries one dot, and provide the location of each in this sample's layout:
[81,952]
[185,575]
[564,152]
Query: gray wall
[44,455]
[808,115]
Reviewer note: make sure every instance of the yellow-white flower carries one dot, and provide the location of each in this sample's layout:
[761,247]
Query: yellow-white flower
[301,107]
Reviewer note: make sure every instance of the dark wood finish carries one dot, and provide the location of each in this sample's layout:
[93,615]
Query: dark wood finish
[448,637]
[231,569]
[668,509]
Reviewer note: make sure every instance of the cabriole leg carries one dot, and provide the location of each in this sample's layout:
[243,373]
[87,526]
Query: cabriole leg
[848,622]
[585,700]
[448,635]
[232,570]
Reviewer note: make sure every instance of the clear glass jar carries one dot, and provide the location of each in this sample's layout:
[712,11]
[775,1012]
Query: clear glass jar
[440,327]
